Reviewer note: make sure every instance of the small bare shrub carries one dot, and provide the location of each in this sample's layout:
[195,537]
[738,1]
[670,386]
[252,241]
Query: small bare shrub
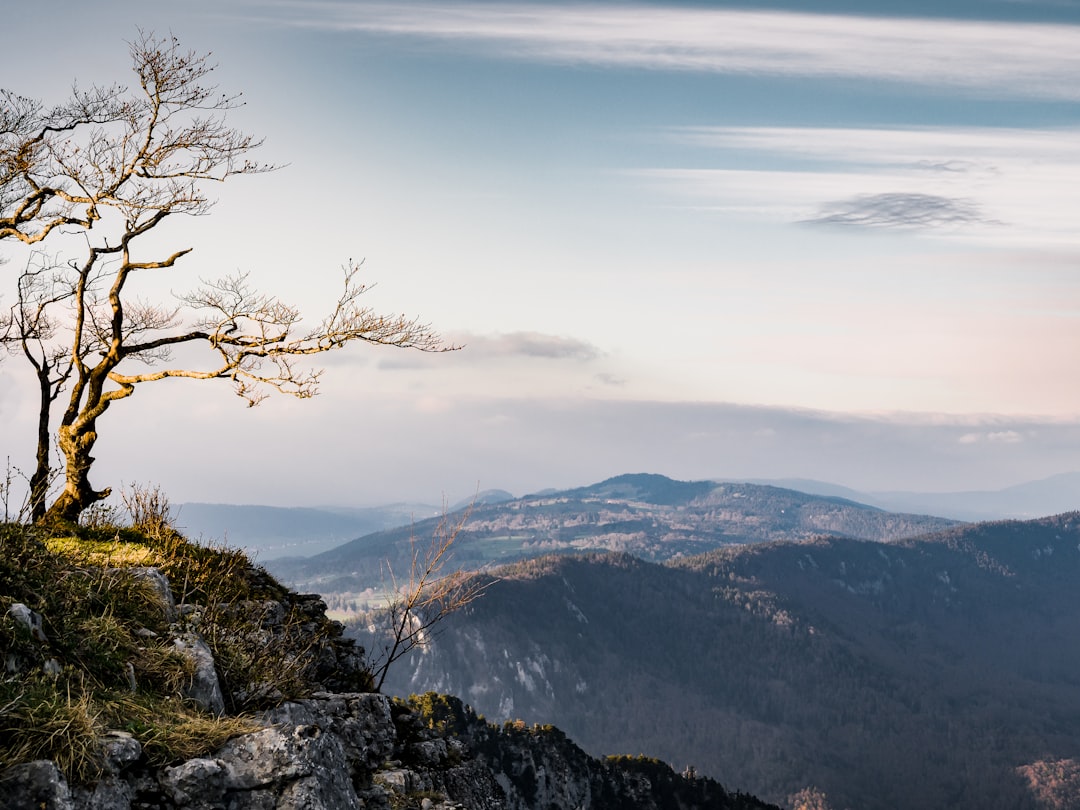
[149,509]
[431,591]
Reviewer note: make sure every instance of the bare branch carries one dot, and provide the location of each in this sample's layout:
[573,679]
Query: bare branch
[140,152]
[432,592]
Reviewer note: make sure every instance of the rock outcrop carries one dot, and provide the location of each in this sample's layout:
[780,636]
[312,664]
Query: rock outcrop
[340,751]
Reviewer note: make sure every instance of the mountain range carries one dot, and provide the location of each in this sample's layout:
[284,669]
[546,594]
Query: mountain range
[787,643]
[266,532]
[650,516]
[1031,499]
[270,532]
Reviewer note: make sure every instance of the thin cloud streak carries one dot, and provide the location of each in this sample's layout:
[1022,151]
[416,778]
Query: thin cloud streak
[483,349]
[967,149]
[995,185]
[529,344]
[999,59]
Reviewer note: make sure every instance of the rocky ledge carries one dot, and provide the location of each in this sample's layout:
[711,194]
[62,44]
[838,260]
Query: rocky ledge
[338,751]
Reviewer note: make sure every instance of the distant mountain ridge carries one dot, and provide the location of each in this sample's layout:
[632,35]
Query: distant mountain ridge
[1031,499]
[650,516]
[930,672]
[272,532]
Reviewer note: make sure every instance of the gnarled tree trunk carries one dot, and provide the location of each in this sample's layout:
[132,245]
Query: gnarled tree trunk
[75,442]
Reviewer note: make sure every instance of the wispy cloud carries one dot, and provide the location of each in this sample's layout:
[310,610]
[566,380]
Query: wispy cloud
[993,436]
[978,150]
[897,210]
[530,344]
[609,380]
[1005,185]
[994,58]
[480,349]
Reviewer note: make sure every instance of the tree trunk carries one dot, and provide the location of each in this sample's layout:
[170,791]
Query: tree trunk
[39,481]
[76,442]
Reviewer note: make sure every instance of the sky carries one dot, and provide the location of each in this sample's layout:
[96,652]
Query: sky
[708,240]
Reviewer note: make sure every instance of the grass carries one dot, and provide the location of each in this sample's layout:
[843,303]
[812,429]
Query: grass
[106,626]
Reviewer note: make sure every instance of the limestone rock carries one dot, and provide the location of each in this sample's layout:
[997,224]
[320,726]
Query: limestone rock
[38,785]
[29,619]
[204,689]
[119,751]
[161,586]
[196,783]
[111,793]
[358,750]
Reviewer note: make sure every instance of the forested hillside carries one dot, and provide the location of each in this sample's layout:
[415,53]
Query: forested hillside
[936,672]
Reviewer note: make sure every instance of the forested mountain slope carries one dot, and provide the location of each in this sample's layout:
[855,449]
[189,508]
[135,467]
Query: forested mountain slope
[937,672]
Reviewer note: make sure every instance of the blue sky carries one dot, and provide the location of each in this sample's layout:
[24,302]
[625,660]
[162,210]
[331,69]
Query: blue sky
[701,239]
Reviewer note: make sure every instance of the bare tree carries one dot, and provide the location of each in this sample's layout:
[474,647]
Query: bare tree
[29,329]
[115,165]
[431,592]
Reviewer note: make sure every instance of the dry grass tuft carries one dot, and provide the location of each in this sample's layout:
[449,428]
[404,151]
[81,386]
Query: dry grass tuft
[46,722]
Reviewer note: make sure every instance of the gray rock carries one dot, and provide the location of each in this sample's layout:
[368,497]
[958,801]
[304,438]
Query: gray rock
[119,751]
[205,688]
[254,800]
[400,780]
[361,721]
[29,619]
[260,759]
[430,753]
[350,751]
[327,790]
[197,783]
[161,585]
[304,764]
[38,785]
[271,613]
[111,793]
